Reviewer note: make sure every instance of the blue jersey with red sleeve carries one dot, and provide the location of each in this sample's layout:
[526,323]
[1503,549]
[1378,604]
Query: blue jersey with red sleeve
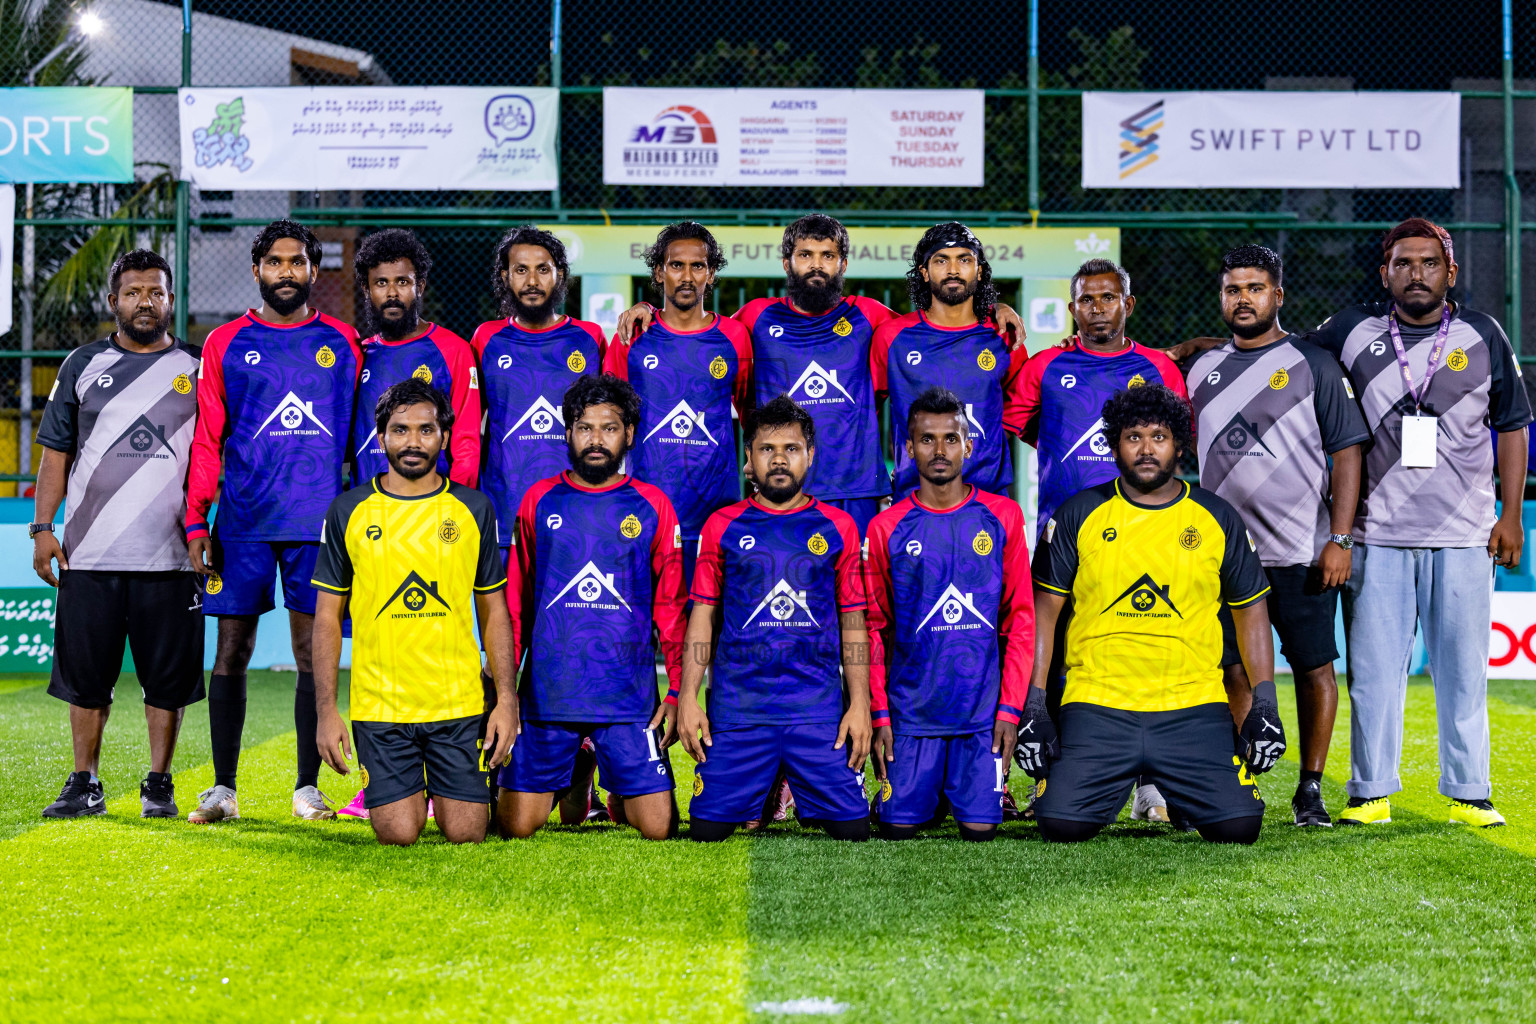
[592,572]
[822,362]
[687,381]
[781,579]
[274,405]
[442,359]
[911,354]
[951,615]
[1059,407]
[524,377]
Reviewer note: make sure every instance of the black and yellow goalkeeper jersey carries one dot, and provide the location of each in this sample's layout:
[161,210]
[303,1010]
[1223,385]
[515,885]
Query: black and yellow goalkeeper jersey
[1147,583]
[411,568]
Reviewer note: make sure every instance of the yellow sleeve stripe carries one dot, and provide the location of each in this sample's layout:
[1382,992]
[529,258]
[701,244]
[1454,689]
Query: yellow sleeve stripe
[334,590]
[492,587]
[1046,586]
[1246,602]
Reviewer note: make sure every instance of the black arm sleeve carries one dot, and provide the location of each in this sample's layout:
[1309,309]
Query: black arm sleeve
[1338,414]
[490,571]
[1509,406]
[333,564]
[1055,562]
[60,425]
[1242,574]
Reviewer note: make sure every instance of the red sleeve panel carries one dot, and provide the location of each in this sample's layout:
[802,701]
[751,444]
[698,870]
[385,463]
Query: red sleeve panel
[464,449]
[669,598]
[1013,390]
[596,331]
[880,614]
[880,353]
[1167,369]
[747,315]
[521,567]
[212,427]
[876,313]
[849,587]
[616,358]
[741,340]
[1021,408]
[1016,619]
[708,584]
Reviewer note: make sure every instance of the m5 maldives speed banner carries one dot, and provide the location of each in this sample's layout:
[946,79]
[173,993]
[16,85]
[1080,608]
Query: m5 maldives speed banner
[686,136]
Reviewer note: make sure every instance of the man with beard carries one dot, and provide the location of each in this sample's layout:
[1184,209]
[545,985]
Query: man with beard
[813,345]
[529,358]
[1148,562]
[1271,413]
[118,425]
[689,369]
[598,565]
[392,267]
[949,341]
[779,584]
[951,631]
[274,405]
[415,555]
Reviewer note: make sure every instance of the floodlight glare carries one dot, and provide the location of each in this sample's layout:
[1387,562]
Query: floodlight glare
[90,23]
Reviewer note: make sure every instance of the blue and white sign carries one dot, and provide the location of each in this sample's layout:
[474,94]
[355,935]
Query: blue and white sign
[71,133]
[500,139]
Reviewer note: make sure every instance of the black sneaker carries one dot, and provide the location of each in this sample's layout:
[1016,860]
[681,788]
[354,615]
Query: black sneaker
[79,798]
[157,797]
[1177,819]
[1308,807]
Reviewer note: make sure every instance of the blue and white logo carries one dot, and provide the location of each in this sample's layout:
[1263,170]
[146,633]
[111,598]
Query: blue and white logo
[509,118]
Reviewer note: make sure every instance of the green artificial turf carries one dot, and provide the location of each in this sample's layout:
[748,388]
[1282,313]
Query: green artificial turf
[269,918]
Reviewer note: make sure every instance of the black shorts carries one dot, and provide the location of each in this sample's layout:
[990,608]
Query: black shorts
[160,617]
[392,757]
[1302,611]
[1191,755]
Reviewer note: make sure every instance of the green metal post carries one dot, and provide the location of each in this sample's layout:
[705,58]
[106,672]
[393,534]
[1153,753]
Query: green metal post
[1034,109]
[184,190]
[1512,211]
[554,80]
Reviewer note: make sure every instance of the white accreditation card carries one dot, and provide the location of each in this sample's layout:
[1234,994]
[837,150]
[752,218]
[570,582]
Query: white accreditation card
[1419,442]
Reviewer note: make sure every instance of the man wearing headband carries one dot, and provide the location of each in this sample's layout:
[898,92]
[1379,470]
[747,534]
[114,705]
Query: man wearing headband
[949,341]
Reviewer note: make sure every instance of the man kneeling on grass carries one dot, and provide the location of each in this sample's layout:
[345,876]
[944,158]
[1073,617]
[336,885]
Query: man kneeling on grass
[413,554]
[1148,561]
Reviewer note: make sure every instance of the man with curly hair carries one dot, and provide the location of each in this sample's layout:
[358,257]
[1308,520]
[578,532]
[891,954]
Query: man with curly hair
[1148,561]
[950,341]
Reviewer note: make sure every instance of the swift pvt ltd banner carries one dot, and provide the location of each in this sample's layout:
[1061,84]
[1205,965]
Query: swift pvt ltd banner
[684,136]
[365,137]
[1271,140]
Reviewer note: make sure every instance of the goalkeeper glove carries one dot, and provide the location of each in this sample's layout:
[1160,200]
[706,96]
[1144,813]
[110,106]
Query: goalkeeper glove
[1038,744]
[1262,732]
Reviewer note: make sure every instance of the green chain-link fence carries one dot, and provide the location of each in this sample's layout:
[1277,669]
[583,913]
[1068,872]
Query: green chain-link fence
[1032,58]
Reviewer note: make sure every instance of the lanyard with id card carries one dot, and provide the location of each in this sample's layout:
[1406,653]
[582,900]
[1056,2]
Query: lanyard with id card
[1419,432]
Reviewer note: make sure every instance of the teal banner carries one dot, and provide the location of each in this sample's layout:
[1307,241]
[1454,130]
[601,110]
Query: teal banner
[26,627]
[66,134]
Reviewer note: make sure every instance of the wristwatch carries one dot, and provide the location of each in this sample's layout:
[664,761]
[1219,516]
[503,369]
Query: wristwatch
[37,528]
[1343,540]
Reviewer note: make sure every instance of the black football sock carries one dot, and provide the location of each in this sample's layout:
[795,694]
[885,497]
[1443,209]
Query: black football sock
[1307,777]
[226,721]
[306,722]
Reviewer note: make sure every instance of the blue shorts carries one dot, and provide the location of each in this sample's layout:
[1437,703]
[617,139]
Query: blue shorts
[731,785]
[630,761]
[861,509]
[245,571]
[960,768]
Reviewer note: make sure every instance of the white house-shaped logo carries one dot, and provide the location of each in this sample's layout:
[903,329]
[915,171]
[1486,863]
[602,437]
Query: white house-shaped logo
[290,413]
[1094,436]
[781,602]
[952,606]
[970,417]
[815,383]
[682,420]
[541,418]
[590,584]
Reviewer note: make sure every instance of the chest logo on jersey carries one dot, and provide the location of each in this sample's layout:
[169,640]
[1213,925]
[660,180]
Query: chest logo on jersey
[816,385]
[252,358]
[576,362]
[630,527]
[1213,378]
[747,542]
[1279,379]
[554,522]
[1378,347]
[145,440]
[374,532]
[914,547]
[423,373]
[291,414]
[1242,440]
[986,360]
[414,598]
[1098,445]
[785,605]
[1136,382]
[842,328]
[1109,533]
[182,384]
[1144,599]
[1068,381]
[817,544]
[104,381]
[541,419]
[775,331]
[914,358]
[1457,360]
[504,362]
[1189,539]
[325,357]
[367,372]
[650,362]
[982,543]
[448,533]
[951,607]
[592,588]
[718,368]
[683,421]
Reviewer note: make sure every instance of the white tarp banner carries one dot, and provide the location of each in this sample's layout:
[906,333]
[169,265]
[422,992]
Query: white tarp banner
[1271,140]
[370,137]
[1512,645]
[687,136]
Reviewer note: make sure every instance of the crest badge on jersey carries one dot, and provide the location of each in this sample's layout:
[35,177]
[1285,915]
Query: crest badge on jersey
[842,328]
[982,542]
[448,533]
[576,362]
[1136,381]
[817,544]
[986,360]
[1279,379]
[717,368]
[1189,539]
[325,357]
[214,584]
[630,527]
[1457,360]
[423,373]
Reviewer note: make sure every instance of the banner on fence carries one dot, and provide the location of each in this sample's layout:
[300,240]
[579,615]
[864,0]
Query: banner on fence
[370,138]
[66,134]
[687,136]
[1271,140]
[26,628]
[1512,645]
